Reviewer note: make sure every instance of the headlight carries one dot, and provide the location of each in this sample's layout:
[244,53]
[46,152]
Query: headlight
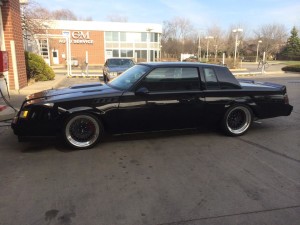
[24,114]
[49,105]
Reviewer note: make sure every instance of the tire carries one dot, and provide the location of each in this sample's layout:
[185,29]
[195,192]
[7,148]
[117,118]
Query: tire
[82,131]
[237,120]
[105,78]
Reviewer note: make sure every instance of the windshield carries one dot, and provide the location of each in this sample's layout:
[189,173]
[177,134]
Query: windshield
[129,77]
[120,62]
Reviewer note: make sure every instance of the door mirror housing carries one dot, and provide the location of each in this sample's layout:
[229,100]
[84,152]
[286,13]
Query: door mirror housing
[142,91]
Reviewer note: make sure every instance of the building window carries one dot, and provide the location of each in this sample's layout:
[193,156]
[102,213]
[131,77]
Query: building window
[115,53]
[130,53]
[127,53]
[115,36]
[108,36]
[156,37]
[143,37]
[111,36]
[144,54]
[44,48]
[123,36]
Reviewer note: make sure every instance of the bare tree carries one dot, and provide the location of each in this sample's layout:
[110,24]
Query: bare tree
[117,18]
[273,37]
[88,18]
[63,14]
[230,40]
[33,18]
[178,36]
[217,43]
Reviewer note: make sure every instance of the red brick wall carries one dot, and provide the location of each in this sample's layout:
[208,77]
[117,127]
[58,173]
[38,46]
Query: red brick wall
[95,50]
[13,31]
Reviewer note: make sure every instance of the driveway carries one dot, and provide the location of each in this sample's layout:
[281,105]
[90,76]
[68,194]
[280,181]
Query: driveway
[180,177]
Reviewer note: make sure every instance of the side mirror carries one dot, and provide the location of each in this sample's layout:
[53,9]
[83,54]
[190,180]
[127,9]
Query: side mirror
[143,91]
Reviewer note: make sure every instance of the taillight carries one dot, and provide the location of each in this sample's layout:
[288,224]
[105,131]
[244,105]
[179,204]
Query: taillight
[286,99]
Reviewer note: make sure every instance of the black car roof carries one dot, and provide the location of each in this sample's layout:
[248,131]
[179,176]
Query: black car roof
[164,64]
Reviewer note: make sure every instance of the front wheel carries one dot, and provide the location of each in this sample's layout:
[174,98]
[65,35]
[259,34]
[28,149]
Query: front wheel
[105,78]
[82,131]
[237,120]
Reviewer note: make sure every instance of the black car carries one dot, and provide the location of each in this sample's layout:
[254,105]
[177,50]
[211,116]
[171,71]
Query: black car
[151,96]
[113,67]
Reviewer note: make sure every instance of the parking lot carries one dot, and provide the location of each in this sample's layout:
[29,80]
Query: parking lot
[179,177]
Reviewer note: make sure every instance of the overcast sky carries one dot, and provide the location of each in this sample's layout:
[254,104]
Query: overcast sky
[202,13]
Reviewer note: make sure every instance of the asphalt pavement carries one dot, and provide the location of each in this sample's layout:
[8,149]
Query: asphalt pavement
[180,177]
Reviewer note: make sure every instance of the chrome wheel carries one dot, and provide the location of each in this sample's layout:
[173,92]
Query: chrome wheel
[237,120]
[82,131]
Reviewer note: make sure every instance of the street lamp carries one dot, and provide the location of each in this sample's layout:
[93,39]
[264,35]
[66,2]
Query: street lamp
[216,53]
[236,31]
[148,43]
[199,48]
[259,41]
[207,38]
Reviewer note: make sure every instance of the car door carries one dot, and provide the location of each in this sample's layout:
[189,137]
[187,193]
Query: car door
[166,98]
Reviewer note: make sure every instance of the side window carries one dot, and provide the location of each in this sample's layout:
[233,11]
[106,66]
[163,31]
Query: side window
[226,79]
[211,79]
[172,79]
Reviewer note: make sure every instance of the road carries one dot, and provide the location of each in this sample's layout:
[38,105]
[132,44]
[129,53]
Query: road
[183,177]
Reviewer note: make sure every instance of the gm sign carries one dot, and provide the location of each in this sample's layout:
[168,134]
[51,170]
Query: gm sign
[80,35]
[77,37]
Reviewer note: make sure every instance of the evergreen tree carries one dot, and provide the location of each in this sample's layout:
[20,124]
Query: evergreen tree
[292,48]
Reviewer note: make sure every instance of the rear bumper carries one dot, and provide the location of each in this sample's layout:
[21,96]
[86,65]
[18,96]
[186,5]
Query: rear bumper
[264,112]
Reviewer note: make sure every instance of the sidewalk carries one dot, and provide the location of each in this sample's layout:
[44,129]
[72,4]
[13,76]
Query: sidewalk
[6,113]
[40,86]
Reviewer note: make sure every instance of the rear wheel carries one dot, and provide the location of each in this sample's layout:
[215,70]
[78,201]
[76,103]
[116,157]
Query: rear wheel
[237,120]
[83,131]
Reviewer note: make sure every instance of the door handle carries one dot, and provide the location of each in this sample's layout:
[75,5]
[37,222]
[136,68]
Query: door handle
[186,100]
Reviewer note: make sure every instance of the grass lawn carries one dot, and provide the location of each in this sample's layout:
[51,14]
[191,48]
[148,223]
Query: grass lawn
[288,63]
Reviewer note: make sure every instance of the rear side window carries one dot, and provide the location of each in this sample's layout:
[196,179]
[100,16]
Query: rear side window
[226,79]
[211,79]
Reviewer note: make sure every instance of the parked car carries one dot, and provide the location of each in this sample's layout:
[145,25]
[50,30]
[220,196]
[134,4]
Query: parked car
[113,67]
[151,96]
[191,59]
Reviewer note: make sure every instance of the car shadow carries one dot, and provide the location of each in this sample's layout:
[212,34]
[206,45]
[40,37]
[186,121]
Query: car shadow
[45,144]
[157,134]
[51,143]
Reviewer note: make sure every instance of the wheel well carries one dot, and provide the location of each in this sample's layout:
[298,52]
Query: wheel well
[251,105]
[69,113]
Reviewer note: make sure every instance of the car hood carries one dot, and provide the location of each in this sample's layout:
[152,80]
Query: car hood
[118,68]
[73,92]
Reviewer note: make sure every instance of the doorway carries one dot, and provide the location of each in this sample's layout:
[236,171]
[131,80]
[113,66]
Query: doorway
[55,57]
